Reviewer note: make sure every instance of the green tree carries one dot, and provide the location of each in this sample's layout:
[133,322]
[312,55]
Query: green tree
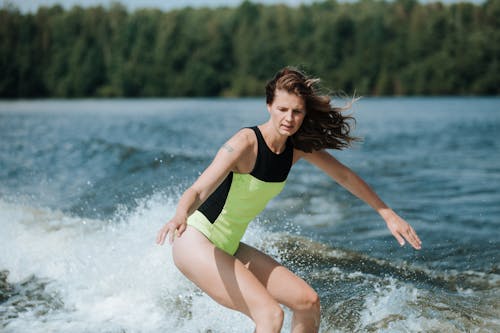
[369,47]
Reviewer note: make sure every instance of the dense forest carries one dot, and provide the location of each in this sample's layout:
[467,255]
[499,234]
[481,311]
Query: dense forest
[369,47]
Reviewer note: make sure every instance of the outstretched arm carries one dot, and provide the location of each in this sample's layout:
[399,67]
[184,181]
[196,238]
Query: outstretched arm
[399,228]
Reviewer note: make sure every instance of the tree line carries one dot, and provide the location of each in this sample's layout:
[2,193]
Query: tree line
[368,47]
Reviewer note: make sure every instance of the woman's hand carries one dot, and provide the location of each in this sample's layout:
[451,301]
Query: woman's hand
[176,226]
[401,229]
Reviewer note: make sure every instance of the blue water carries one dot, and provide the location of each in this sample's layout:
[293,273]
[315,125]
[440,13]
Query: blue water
[85,185]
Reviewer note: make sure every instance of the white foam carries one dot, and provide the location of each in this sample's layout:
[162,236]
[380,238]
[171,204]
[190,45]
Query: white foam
[110,275]
[398,307]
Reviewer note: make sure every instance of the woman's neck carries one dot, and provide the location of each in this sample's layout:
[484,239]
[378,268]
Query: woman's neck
[274,140]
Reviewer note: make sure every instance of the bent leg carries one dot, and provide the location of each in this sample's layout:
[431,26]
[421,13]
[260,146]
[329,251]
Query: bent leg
[286,287]
[226,280]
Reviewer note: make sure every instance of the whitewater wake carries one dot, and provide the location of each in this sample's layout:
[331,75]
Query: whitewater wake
[63,273]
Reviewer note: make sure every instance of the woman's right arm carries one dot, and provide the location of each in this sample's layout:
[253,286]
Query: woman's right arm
[226,160]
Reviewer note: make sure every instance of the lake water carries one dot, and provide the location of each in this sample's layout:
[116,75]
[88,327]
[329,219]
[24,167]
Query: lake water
[86,184]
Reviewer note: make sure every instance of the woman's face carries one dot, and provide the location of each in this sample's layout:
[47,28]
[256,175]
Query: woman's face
[287,112]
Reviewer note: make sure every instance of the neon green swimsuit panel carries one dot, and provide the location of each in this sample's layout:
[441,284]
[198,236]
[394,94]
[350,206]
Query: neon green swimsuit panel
[247,197]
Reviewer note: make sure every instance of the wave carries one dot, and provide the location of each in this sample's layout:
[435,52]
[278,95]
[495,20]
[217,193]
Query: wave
[71,274]
[96,275]
[308,255]
[92,176]
[365,294]
[92,158]
[125,152]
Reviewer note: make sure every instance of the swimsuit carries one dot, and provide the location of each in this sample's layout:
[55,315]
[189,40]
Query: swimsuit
[225,215]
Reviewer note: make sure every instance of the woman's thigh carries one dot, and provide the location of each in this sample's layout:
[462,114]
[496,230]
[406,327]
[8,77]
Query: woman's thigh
[221,276]
[283,285]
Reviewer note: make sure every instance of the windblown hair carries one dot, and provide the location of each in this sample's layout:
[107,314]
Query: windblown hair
[324,126]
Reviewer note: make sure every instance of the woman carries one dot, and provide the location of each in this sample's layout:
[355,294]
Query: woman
[247,171]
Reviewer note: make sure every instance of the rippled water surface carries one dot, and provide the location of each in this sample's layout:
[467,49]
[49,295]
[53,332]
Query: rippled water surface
[85,185]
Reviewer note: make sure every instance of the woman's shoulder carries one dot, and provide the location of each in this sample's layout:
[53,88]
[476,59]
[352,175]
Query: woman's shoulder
[243,139]
[245,136]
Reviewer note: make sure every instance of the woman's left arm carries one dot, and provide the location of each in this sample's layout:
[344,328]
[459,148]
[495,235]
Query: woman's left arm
[399,228]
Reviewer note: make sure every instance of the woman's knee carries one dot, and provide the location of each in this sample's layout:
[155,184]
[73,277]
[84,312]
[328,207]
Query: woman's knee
[308,301]
[277,315]
[269,318]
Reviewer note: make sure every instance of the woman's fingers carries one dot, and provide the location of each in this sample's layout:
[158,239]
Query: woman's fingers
[160,238]
[402,231]
[163,233]
[414,240]
[171,229]
[171,235]
[411,236]
[181,229]
[400,239]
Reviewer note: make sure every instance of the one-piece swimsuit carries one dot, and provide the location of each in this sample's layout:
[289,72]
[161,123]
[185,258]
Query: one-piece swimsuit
[224,217]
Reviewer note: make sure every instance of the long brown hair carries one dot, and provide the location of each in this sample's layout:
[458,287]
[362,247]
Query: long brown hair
[324,126]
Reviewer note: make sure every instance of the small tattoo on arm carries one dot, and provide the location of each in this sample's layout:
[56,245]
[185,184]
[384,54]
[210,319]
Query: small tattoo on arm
[228,147]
